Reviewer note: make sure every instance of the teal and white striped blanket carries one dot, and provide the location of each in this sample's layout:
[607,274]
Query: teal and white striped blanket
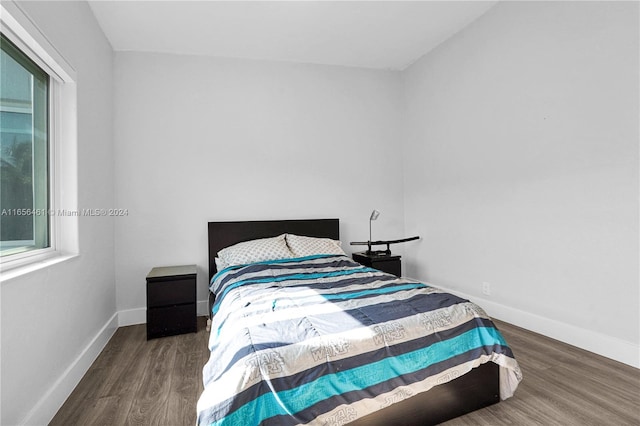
[324,340]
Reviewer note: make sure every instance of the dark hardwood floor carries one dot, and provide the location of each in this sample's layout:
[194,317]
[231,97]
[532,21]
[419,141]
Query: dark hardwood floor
[157,382]
[563,385]
[139,382]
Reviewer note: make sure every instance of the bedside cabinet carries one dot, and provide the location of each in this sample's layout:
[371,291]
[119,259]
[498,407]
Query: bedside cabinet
[382,262]
[171,301]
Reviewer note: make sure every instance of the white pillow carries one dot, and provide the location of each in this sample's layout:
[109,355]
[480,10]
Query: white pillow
[256,251]
[220,264]
[308,246]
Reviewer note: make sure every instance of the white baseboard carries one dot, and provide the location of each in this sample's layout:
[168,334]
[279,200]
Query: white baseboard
[139,315]
[592,341]
[203,308]
[132,317]
[47,407]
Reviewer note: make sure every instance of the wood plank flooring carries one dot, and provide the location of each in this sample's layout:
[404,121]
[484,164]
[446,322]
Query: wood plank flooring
[563,385]
[139,382]
[157,382]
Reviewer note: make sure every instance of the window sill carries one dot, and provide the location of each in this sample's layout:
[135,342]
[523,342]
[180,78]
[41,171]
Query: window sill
[36,265]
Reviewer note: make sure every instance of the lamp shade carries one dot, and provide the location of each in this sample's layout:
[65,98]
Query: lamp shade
[374,215]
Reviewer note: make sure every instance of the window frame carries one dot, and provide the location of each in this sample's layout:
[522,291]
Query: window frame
[23,251]
[18,28]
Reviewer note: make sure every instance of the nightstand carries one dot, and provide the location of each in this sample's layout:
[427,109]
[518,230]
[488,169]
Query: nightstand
[171,301]
[388,263]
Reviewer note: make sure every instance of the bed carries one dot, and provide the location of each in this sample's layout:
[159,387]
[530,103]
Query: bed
[320,339]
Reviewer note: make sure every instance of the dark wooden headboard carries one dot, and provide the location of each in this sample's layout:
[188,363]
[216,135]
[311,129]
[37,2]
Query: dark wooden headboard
[225,234]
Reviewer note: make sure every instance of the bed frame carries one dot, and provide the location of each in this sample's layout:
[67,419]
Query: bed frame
[477,389]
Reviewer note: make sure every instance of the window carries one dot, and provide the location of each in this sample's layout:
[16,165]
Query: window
[24,153]
[38,149]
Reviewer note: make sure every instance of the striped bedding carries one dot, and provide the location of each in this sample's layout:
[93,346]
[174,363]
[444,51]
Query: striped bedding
[324,340]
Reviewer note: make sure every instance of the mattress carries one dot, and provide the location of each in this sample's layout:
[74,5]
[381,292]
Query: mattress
[324,340]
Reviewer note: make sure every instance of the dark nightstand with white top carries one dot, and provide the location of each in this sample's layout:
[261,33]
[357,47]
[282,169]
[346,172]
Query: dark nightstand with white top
[388,263]
[171,301]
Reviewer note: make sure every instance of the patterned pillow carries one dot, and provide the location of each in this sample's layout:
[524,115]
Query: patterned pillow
[307,246]
[220,264]
[256,251]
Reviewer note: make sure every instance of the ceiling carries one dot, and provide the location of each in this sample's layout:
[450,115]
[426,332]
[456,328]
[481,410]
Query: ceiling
[369,34]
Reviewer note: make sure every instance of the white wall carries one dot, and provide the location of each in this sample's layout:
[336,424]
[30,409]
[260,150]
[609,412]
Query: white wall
[50,317]
[203,139]
[521,168]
